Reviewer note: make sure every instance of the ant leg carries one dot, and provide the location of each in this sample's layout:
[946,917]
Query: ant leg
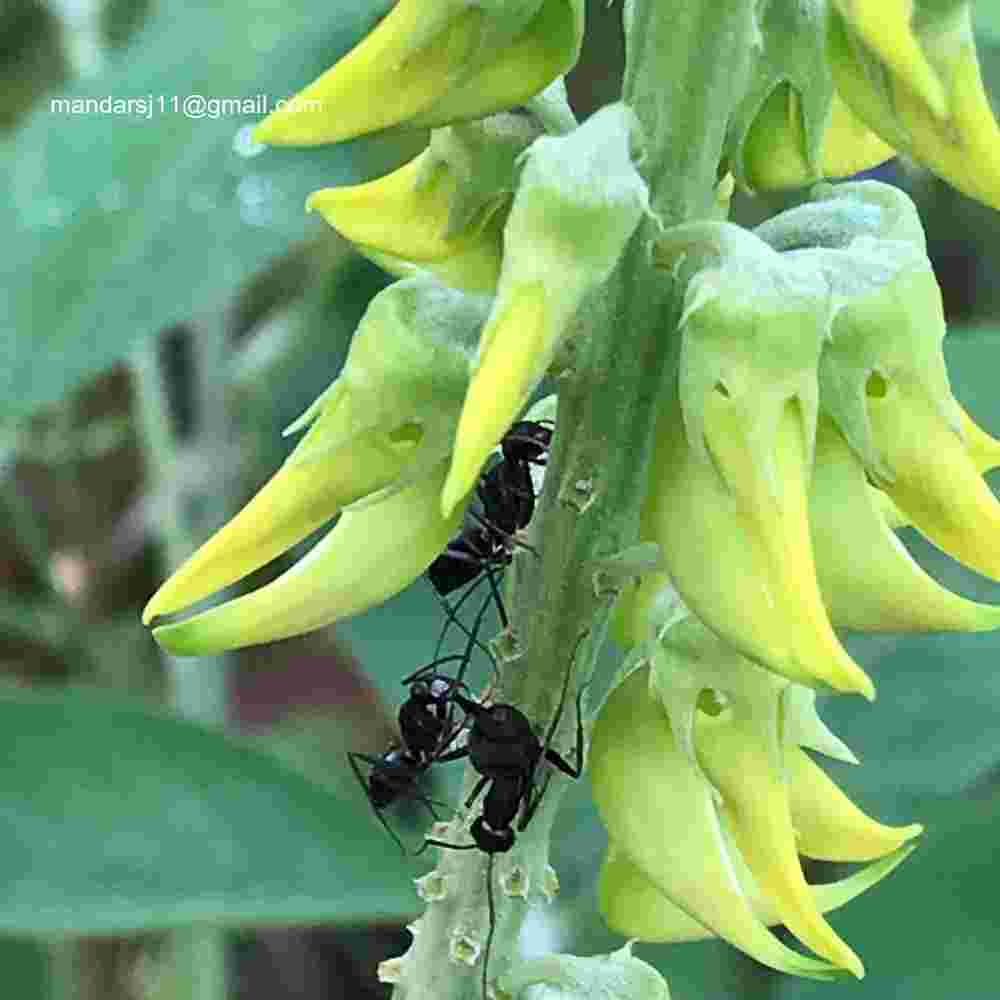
[453,619]
[572,770]
[473,795]
[378,812]
[431,842]
[497,599]
[531,804]
[491,910]
[458,754]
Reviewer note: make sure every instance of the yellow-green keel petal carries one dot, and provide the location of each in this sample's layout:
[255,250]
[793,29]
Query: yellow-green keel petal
[370,555]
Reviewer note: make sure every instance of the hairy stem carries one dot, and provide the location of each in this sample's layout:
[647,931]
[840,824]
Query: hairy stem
[683,70]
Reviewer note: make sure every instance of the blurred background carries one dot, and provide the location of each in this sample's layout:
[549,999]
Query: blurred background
[167,308]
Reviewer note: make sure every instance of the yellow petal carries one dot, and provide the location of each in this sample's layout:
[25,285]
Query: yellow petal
[887,28]
[515,350]
[868,579]
[755,805]
[830,827]
[774,152]
[960,142]
[405,215]
[382,81]
[293,503]
[634,907]
[370,555]
[937,484]
[744,564]
[671,830]
[983,449]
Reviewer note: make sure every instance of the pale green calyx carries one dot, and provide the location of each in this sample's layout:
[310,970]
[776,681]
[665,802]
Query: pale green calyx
[406,374]
[616,976]
[482,155]
[753,324]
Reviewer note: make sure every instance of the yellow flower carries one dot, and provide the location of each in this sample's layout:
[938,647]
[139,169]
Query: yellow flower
[729,801]
[443,212]
[387,420]
[728,487]
[432,62]
[908,70]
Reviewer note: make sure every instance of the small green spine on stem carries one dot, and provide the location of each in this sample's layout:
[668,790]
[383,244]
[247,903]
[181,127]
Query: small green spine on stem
[686,62]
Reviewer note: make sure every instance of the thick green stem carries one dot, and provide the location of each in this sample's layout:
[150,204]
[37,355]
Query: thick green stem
[685,61]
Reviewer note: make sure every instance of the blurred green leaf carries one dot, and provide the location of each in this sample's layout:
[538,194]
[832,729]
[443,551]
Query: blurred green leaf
[119,225]
[117,819]
[25,969]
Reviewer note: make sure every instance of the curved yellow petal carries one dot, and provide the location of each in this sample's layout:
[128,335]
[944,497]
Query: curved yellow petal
[756,808]
[936,484]
[515,350]
[983,449]
[292,504]
[382,81]
[744,564]
[830,827]
[370,555]
[887,28]
[671,831]
[868,580]
[633,906]
[405,215]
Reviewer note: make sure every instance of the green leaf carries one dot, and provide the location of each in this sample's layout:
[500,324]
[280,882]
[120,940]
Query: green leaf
[118,225]
[117,819]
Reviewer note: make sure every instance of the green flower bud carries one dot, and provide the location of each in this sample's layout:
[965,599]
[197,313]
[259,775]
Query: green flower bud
[433,62]
[389,416]
[578,201]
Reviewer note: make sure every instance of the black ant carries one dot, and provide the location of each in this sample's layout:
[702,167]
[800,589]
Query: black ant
[506,752]
[505,498]
[427,728]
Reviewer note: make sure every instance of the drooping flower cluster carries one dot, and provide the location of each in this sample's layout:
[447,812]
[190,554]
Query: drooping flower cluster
[809,415]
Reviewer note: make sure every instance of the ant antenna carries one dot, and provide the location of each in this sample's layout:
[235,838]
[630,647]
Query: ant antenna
[491,908]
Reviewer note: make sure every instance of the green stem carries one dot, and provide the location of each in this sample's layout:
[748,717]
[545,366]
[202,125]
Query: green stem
[198,687]
[684,68]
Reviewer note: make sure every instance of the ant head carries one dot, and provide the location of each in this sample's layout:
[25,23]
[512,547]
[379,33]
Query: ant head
[527,441]
[491,841]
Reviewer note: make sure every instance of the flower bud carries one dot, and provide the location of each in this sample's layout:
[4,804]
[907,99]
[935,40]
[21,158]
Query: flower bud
[388,417]
[443,212]
[578,201]
[617,976]
[433,62]
[908,70]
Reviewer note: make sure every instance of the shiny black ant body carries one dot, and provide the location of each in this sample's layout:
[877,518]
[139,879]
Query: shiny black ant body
[427,728]
[504,503]
[506,752]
